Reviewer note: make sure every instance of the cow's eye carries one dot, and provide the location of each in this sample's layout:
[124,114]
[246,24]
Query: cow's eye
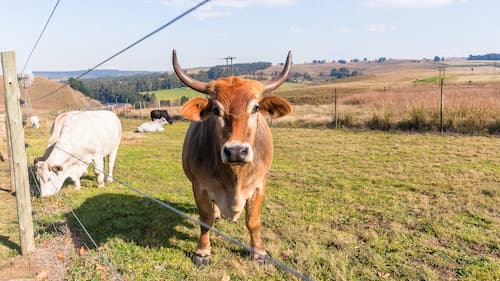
[216,111]
[255,109]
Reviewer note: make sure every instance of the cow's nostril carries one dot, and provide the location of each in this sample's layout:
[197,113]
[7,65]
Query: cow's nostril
[227,152]
[244,151]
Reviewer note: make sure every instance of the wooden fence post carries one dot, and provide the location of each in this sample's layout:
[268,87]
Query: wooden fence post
[18,153]
[441,107]
[335,108]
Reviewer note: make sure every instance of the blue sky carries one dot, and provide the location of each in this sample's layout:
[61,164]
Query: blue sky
[83,33]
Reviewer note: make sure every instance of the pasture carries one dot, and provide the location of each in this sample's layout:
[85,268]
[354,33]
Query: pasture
[174,95]
[340,205]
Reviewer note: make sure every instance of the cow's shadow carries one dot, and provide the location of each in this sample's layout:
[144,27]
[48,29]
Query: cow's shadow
[131,218]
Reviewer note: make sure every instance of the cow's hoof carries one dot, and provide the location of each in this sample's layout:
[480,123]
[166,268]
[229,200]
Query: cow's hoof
[109,179]
[100,185]
[259,258]
[201,261]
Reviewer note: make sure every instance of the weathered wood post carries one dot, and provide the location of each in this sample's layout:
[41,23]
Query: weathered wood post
[18,160]
[441,104]
[335,108]
[441,109]
[140,108]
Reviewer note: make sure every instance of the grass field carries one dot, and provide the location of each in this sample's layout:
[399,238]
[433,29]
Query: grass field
[340,205]
[174,95]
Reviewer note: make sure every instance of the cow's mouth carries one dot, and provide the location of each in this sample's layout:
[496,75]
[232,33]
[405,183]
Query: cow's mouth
[236,164]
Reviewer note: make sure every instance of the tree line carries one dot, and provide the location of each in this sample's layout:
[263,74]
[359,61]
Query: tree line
[485,57]
[130,88]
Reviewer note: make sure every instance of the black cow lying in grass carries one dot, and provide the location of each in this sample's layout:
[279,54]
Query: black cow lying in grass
[158,114]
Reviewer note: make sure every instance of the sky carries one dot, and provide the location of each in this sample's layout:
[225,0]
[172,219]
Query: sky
[81,34]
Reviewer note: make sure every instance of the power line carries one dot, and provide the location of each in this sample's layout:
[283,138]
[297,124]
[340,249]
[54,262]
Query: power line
[39,37]
[131,45]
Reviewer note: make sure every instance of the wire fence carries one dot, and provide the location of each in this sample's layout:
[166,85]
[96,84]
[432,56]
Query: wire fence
[82,226]
[182,214]
[39,38]
[268,258]
[185,13]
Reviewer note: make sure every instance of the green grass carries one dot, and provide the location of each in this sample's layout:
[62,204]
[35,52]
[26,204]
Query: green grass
[340,205]
[428,80]
[174,94]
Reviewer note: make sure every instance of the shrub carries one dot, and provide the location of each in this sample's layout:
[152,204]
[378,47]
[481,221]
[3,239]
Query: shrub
[494,127]
[376,122]
[184,99]
[346,121]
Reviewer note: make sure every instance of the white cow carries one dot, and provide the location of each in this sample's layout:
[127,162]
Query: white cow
[78,139]
[35,122]
[3,139]
[152,126]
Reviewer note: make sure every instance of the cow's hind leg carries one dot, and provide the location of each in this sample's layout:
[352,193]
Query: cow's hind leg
[206,211]
[253,209]
[99,170]
[216,211]
[111,165]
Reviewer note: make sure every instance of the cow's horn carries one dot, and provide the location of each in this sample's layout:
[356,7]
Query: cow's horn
[282,77]
[190,82]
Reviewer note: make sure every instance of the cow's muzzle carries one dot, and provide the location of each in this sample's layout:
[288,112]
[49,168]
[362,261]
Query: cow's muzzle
[236,153]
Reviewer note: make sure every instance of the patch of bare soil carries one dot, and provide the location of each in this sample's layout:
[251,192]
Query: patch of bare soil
[47,262]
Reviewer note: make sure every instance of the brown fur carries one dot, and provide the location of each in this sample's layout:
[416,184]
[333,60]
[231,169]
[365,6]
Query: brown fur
[223,187]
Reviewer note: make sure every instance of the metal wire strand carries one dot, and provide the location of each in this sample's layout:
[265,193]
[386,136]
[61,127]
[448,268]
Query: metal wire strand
[39,37]
[268,258]
[129,46]
[101,254]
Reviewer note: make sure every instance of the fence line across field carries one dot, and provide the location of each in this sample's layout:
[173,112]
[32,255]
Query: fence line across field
[222,234]
[82,226]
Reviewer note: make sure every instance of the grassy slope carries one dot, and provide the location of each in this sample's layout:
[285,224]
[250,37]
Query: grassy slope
[340,206]
[174,94]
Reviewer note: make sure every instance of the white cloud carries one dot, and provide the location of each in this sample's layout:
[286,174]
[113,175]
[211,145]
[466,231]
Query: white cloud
[232,3]
[344,30]
[409,4]
[221,8]
[380,28]
[208,14]
[297,30]
[248,3]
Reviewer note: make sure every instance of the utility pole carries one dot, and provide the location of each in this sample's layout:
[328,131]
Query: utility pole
[229,65]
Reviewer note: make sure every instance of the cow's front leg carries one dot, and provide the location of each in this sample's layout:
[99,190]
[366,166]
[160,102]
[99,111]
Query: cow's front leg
[111,165]
[99,170]
[253,209]
[206,211]
[76,181]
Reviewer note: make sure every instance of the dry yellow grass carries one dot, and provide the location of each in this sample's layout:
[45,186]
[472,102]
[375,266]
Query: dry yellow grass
[42,103]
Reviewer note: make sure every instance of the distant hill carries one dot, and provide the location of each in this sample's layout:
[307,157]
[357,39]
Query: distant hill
[99,73]
[42,103]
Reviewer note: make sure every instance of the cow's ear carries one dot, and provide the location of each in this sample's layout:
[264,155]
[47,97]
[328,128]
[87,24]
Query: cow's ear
[196,109]
[56,169]
[274,106]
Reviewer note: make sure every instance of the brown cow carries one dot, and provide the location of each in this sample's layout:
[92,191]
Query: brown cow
[228,150]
